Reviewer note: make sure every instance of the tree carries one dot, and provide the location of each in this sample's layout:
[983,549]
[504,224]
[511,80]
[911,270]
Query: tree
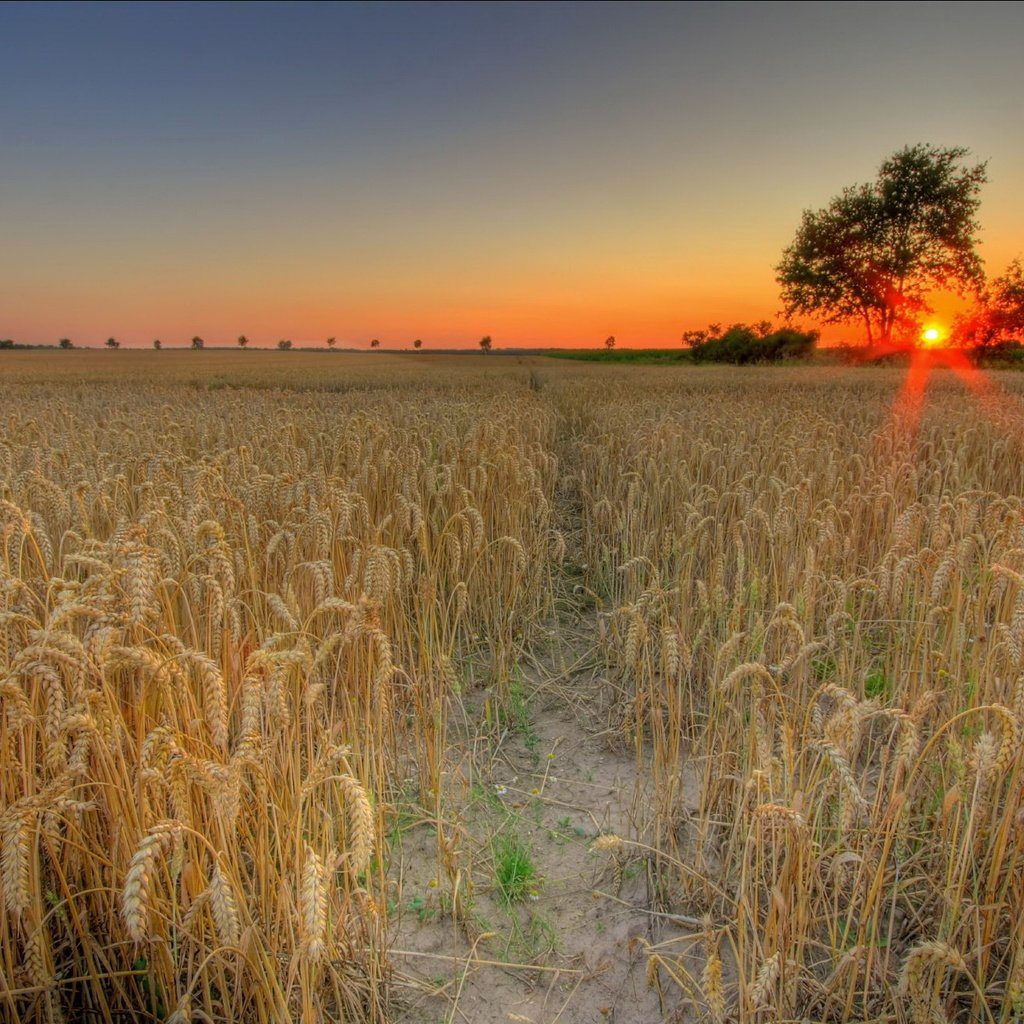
[485,343]
[1006,303]
[65,343]
[197,342]
[873,253]
[741,344]
[242,341]
[284,344]
[998,316]
[375,343]
[609,342]
[418,343]
[6,343]
[331,342]
[157,344]
[112,343]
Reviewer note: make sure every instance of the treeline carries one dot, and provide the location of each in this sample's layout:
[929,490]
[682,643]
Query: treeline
[741,344]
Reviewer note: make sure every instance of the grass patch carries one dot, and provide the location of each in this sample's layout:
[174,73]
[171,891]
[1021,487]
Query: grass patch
[624,355]
[514,869]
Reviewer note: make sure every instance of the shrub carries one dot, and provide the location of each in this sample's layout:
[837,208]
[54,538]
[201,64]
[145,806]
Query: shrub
[741,344]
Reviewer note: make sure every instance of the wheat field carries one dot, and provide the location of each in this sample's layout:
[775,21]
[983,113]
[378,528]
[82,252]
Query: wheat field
[260,611]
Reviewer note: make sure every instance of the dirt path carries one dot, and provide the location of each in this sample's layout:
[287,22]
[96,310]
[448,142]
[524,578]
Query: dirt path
[574,947]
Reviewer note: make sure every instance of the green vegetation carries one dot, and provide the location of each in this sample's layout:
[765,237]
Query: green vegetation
[514,869]
[740,344]
[622,355]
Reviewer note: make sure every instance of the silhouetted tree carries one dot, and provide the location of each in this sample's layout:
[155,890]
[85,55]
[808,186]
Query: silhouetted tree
[284,343]
[876,249]
[157,344]
[6,343]
[418,343]
[198,342]
[609,342]
[242,341]
[65,343]
[486,343]
[331,342]
[1006,302]
[112,343]
[375,343]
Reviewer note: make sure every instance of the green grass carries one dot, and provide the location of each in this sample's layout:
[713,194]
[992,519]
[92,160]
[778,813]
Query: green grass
[624,355]
[876,684]
[514,870]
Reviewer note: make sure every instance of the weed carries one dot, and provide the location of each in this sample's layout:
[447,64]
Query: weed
[422,909]
[876,684]
[514,869]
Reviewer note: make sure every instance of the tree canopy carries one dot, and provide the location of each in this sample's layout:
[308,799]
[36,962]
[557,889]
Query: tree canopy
[875,251]
[1006,305]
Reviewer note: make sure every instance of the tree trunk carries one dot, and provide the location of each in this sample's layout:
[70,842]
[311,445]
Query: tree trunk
[867,327]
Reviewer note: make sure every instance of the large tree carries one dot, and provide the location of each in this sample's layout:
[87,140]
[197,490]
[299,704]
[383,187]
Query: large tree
[872,255]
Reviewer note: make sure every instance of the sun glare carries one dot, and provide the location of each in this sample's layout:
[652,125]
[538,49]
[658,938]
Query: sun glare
[931,337]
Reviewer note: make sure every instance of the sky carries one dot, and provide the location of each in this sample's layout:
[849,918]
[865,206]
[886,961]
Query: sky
[547,174]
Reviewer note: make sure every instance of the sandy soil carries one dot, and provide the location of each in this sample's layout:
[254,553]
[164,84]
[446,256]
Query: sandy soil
[576,947]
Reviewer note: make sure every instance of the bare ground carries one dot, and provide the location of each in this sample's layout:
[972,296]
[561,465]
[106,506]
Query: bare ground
[576,947]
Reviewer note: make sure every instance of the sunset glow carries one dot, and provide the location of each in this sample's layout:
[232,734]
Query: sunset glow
[549,175]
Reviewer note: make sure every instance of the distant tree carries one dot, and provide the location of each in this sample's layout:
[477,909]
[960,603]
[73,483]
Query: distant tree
[418,343]
[157,344]
[284,344]
[763,328]
[331,342]
[6,343]
[197,342]
[65,343]
[872,254]
[242,341]
[609,342]
[375,343]
[112,343]
[486,343]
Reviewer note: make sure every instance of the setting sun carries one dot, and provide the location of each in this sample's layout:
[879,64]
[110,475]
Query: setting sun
[931,337]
